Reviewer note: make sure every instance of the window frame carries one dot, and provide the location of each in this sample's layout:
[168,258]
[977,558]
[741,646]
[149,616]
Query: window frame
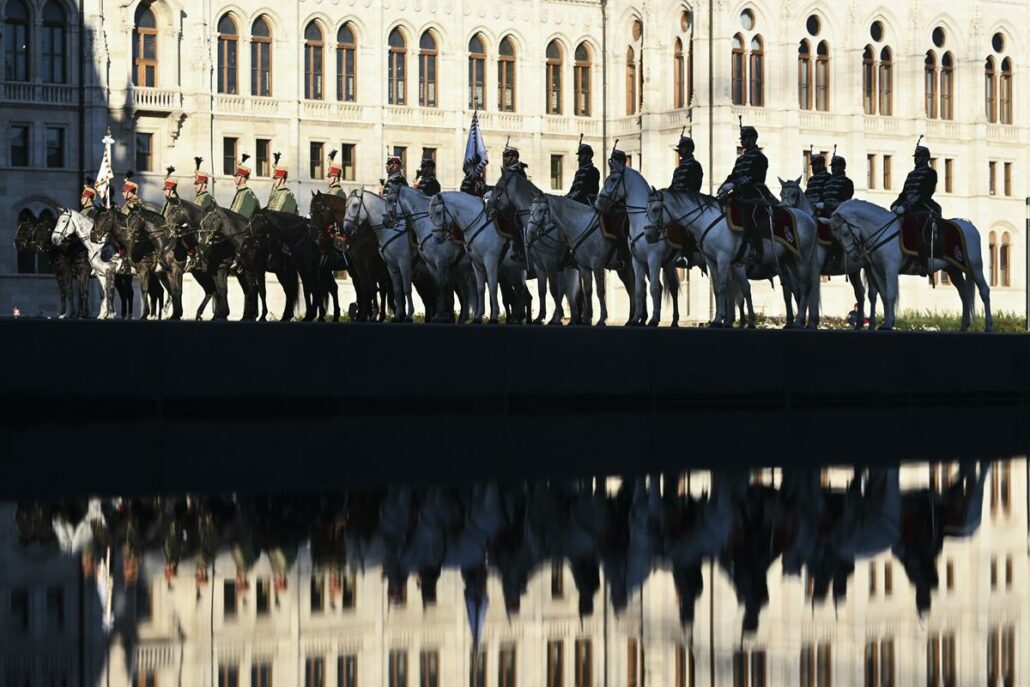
[21,57]
[54,35]
[314,63]
[822,77]
[139,61]
[581,85]
[554,66]
[805,95]
[738,71]
[228,46]
[477,72]
[506,77]
[756,65]
[397,69]
[346,65]
[428,57]
[631,81]
[261,60]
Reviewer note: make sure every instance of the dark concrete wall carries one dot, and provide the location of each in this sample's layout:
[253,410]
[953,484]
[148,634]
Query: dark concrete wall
[116,406]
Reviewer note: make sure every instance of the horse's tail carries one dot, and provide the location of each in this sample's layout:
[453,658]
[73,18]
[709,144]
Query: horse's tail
[672,282]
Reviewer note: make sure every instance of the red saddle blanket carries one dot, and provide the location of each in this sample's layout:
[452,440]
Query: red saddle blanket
[784,229]
[949,243]
[676,236]
[506,226]
[614,225]
[822,226]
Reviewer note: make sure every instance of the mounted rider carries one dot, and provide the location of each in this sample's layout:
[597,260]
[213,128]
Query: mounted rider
[334,175]
[617,163]
[130,189]
[689,173]
[88,199]
[815,190]
[473,183]
[281,198]
[510,164]
[839,188]
[426,181]
[745,186]
[203,198]
[587,182]
[244,202]
[917,197]
[171,192]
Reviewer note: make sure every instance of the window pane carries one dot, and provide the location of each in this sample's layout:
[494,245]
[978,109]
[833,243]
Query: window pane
[55,147]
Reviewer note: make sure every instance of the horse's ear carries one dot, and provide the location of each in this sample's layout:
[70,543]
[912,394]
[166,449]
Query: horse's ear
[653,189]
[798,180]
[782,182]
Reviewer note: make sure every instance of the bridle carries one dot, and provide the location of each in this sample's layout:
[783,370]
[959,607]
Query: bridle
[704,204]
[350,224]
[449,218]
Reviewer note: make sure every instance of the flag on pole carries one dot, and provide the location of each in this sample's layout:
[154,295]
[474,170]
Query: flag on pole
[106,174]
[475,150]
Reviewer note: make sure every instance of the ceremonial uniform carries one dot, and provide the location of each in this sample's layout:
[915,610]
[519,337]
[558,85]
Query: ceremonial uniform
[281,198]
[815,190]
[473,185]
[129,190]
[205,200]
[585,184]
[917,193]
[171,189]
[688,175]
[334,174]
[244,202]
[747,188]
[838,189]
[427,182]
[392,183]
[129,204]
[88,199]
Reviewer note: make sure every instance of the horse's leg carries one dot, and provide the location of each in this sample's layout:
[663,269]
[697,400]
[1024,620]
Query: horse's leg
[638,305]
[586,276]
[480,309]
[855,276]
[602,300]
[406,279]
[890,297]
[220,277]
[718,274]
[744,284]
[143,273]
[672,280]
[493,283]
[873,291]
[398,292]
[654,273]
[334,293]
[977,278]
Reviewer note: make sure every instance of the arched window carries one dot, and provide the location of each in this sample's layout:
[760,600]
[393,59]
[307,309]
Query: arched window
[16,41]
[757,68]
[631,81]
[886,81]
[1005,92]
[506,75]
[1005,258]
[930,84]
[554,66]
[144,48]
[313,64]
[947,86]
[477,72]
[397,72]
[227,47]
[581,81]
[868,81]
[261,58]
[737,70]
[805,75]
[678,71]
[427,56]
[54,27]
[822,76]
[992,255]
[990,91]
[346,64]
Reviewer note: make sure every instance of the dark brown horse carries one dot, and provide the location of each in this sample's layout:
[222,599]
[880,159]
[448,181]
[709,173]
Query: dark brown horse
[138,248]
[367,267]
[68,261]
[183,227]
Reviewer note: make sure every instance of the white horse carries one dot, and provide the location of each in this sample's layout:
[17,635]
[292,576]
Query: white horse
[448,262]
[71,222]
[651,259]
[514,194]
[365,206]
[793,196]
[870,234]
[705,219]
[455,211]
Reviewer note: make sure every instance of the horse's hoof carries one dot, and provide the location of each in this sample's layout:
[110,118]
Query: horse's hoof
[477,320]
[652,323]
[884,328]
[752,325]
[492,320]
[675,324]
[601,323]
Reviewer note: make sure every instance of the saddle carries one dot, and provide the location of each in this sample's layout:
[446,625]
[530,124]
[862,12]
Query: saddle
[679,238]
[822,227]
[784,223]
[615,225]
[919,233]
[506,225]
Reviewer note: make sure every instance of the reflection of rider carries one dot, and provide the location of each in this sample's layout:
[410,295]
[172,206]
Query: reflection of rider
[746,186]
[917,197]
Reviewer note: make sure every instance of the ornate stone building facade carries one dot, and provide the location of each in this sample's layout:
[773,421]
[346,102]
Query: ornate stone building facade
[176,79]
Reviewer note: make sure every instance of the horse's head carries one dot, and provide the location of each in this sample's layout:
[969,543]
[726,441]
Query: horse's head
[849,236]
[64,229]
[23,236]
[321,214]
[210,228]
[657,216]
[42,233]
[178,220]
[791,192]
[438,217]
[613,192]
[539,216]
[501,199]
[356,213]
[103,223]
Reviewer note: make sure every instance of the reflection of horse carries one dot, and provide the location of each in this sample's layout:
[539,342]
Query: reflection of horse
[869,235]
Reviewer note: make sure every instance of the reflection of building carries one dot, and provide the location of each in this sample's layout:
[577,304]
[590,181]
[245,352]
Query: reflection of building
[370,77]
[978,627]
